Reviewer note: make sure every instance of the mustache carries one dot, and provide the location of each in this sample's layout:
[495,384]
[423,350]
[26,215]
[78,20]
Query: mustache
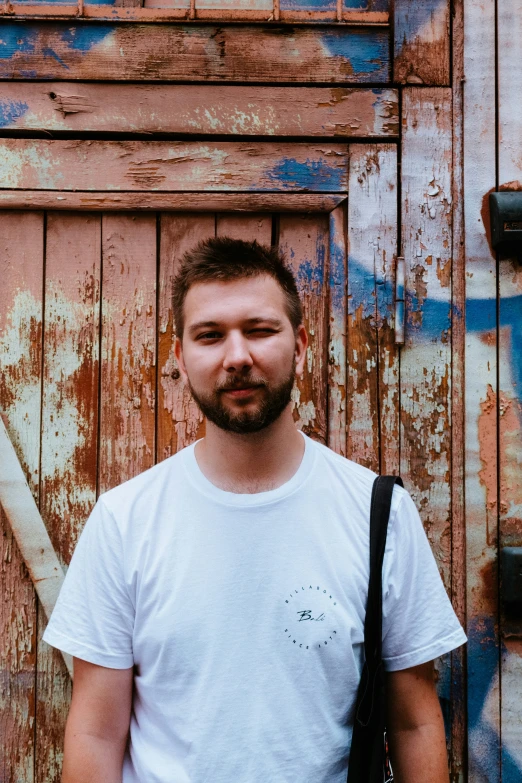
[240,383]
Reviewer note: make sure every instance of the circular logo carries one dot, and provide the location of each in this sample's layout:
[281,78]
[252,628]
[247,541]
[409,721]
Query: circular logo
[310,617]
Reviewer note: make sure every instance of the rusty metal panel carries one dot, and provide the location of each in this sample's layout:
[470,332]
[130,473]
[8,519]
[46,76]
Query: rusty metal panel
[139,108]
[128,348]
[425,374]
[137,52]
[21,317]
[481,394]
[510,385]
[69,443]
[422,42]
[373,402]
[304,240]
[176,165]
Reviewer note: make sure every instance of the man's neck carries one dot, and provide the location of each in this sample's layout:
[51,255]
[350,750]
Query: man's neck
[257,462]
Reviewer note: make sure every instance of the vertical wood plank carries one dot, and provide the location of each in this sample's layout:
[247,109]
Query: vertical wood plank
[248,227]
[422,42]
[304,241]
[69,437]
[458,716]
[373,391]
[338,271]
[481,395]
[426,356]
[510,382]
[179,419]
[127,411]
[21,265]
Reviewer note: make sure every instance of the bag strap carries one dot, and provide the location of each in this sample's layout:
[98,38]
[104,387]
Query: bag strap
[382,492]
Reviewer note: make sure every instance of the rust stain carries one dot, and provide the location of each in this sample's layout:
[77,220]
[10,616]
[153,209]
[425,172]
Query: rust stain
[444,272]
[510,442]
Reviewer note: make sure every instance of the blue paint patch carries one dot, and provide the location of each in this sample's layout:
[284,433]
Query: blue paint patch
[308,5]
[82,38]
[317,175]
[410,18]
[17,38]
[361,290]
[310,276]
[435,319]
[10,111]
[337,273]
[483,661]
[47,52]
[367,51]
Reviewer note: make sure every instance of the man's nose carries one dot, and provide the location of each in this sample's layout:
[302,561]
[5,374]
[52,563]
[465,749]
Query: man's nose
[237,353]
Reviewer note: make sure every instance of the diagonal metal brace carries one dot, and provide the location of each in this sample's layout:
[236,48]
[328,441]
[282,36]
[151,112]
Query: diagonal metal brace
[29,530]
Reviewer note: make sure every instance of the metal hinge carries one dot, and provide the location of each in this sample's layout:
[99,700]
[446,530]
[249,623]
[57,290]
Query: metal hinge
[400,275]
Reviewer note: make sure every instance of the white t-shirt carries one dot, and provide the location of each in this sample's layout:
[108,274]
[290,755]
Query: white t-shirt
[244,614]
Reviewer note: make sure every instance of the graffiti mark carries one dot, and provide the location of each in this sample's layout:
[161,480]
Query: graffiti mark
[10,111]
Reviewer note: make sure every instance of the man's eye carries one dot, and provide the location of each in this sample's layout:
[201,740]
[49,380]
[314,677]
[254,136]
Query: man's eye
[209,336]
[263,331]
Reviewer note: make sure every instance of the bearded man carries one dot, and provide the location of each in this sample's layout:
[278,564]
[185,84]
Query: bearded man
[215,604]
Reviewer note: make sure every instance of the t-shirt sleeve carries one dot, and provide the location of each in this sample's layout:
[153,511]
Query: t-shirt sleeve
[94,617]
[419,623]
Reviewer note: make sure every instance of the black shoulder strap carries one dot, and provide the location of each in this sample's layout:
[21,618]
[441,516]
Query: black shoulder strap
[382,492]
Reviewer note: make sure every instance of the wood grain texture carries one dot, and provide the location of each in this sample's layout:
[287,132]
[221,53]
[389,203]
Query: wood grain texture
[161,166]
[458,713]
[338,285]
[205,53]
[422,42]
[179,419]
[510,383]
[21,316]
[481,396]
[425,373]
[373,389]
[173,202]
[246,227]
[69,435]
[128,388]
[304,241]
[241,111]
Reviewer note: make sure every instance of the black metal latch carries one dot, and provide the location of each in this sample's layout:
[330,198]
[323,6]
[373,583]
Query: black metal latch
[506,221]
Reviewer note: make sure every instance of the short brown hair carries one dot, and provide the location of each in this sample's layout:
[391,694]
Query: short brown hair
[224,259]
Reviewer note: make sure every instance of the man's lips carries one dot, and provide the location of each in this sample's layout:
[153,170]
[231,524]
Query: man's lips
[242,391]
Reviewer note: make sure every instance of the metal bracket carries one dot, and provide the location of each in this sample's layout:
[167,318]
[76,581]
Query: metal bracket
[400,279]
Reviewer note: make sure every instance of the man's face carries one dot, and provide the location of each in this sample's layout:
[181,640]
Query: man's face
[239,352]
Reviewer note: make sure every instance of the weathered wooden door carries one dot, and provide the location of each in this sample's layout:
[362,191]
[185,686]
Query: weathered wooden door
[333,128]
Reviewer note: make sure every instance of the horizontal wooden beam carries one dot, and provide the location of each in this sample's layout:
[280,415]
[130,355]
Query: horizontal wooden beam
[145,108]
[20,11]
[169,202]
[29,530]
[38,164]
[110,51]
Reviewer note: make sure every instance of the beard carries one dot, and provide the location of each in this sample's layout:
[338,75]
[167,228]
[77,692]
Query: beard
[275,399]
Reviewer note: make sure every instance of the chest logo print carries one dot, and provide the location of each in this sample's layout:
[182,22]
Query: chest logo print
[310,617]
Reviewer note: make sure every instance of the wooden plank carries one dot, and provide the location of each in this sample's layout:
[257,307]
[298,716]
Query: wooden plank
[510,383]
[425,373]
[21,265]
[304,240]
[179,419]
[177,165]
[69,436]
[180,108]
[128,358]
[373,390]
[481,396]
[183,10]
[110,51]
[422,42]
[174,202]
[247,227]
[338,283]
[458,697]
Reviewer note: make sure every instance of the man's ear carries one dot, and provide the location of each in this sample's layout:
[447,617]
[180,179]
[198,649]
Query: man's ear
[178,353]
[301,344]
